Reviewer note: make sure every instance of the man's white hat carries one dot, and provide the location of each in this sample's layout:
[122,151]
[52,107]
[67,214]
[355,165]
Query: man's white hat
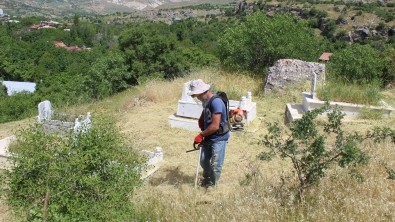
[197,86]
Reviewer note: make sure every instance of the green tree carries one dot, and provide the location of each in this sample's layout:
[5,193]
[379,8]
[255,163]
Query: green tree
[389,71]
[357,63]
[83,32]
[260,41]
[18,106]
[329,28]
[309,149]
[108,75]
[3,90]
[84,177]
[152,53]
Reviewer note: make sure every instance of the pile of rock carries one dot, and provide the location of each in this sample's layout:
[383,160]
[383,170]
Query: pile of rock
[286,71]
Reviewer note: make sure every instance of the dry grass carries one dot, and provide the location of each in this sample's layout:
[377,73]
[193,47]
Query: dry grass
[169,195]
[8,129]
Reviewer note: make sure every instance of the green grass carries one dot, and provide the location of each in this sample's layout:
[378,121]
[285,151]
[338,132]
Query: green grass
[371,114]
[368,94]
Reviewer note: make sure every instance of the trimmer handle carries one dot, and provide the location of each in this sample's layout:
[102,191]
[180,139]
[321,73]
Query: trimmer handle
[195,147]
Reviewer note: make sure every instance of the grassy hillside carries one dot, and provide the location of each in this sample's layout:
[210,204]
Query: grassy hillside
[169,195]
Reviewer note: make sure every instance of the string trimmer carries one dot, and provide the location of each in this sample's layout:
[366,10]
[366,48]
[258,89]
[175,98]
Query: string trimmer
[199,147]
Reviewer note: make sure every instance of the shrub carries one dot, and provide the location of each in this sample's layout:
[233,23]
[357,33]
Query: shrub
[309,149]
[260,41]
[381,26]
[88,177]
[17,107]
[386,15]
[389,70]
[3,90]
[357,63]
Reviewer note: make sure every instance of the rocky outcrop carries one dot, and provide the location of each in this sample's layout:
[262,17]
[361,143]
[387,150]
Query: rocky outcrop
[240,7]
[289,71]
[358,33]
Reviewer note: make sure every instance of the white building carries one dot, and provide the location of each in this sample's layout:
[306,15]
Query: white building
[16,87]
[1,12]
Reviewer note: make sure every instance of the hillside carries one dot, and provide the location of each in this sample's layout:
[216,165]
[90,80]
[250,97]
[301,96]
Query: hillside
[60,8]
[250,190]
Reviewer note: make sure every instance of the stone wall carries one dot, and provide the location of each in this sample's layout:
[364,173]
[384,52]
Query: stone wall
[286,71]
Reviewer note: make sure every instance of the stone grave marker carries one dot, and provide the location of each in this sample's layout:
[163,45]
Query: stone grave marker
[44,111]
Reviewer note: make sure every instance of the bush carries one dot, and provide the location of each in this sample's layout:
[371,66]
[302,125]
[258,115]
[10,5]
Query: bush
[88,177]
[357,63]
[309,149]
[3,91]
[386,15]
[17,106]
[260,41]
[388,56]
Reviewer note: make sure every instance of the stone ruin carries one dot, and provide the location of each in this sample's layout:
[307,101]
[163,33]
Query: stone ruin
[288,71]
[189,110]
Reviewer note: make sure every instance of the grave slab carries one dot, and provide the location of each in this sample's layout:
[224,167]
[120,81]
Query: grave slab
[65,122]
[153,162]
[351,111]
[4,153]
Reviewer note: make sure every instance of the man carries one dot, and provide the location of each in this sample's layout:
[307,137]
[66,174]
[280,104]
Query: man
[215,132]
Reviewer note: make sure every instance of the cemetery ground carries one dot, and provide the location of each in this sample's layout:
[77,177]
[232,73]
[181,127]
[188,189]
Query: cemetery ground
[249,189]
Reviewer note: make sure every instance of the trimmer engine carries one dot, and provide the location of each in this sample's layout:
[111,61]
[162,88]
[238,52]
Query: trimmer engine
[237,118]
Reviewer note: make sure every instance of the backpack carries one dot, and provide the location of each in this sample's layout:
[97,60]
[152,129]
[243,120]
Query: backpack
[226,127]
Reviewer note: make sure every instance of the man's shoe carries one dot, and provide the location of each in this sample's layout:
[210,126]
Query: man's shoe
[206,182]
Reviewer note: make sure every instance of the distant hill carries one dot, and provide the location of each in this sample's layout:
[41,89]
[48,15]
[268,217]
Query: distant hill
[58,8]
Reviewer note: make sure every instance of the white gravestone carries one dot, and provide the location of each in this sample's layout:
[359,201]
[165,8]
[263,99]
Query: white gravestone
[82,125]
[313,84]
[44,111]
[187,106]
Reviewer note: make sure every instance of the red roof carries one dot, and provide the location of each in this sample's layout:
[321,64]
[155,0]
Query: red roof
[73,48]
[59,44]
[68,48]
[325,56]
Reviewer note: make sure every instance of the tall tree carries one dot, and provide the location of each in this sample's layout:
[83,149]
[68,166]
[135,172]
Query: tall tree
[259,41]
[108,75]
[357,63]
[152,53]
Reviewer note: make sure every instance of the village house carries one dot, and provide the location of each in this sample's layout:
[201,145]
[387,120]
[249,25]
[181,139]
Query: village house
[17,87]
[69,48]
[44,25]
